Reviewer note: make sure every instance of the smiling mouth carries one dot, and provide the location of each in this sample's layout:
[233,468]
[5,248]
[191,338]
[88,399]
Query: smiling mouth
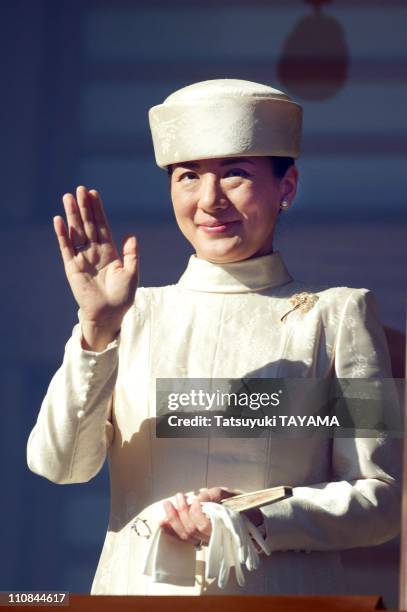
[217,228]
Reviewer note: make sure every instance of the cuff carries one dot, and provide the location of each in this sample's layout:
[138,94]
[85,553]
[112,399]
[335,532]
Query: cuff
[89,371]
[77,341]
[283,531]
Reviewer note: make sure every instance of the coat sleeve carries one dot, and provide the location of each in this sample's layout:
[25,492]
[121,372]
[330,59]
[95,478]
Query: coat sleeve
[360,505]
[69,441]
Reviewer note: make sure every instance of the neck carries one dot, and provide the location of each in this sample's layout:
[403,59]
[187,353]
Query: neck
[259,253]
[252,274]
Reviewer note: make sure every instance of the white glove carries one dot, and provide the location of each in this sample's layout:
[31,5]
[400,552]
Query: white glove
[231,544]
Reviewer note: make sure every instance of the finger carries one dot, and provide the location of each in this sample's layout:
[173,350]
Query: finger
[174,521]
[169,530]
[104,233]
[194,540]
[203,495]
[76,233]
[184,514]
[213,495]
[86,212]
[200,520]
[64,242]
[130,253]
[166,527]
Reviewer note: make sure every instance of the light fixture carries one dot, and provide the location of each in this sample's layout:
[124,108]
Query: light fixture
[314,59]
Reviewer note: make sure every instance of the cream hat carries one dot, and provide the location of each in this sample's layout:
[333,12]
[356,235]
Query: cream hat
[225,118]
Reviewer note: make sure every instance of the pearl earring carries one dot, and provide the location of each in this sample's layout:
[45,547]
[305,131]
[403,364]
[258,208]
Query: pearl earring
[284,205]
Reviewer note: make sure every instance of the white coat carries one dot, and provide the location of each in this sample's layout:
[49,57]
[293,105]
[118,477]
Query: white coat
[224,321]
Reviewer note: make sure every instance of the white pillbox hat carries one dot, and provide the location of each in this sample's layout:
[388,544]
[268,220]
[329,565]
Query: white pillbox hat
[225,118]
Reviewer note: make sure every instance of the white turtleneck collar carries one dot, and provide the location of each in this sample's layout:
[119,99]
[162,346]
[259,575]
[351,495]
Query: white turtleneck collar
[237,277]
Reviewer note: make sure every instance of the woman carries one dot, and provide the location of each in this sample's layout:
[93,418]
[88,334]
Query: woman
[228,146]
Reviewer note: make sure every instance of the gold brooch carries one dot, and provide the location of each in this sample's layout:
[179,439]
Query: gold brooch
[301,301]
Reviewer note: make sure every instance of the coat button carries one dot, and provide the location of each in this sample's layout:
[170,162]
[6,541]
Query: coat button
[80,414]
[92,362]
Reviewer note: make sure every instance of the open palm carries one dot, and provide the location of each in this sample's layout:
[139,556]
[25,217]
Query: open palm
[102,282]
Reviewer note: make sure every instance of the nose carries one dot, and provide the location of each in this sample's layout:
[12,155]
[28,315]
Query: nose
[211,196]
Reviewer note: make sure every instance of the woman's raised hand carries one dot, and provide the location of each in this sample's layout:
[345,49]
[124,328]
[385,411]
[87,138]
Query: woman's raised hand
[102,282]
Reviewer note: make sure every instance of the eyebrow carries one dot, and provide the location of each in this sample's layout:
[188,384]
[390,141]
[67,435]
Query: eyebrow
[236,160]
[226,162]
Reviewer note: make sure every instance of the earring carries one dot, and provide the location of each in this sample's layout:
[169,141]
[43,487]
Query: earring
[284,205]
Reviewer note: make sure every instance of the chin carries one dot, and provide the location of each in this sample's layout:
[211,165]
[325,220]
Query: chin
[224,255]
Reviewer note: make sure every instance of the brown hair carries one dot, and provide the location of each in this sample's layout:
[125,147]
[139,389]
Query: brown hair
[280,165]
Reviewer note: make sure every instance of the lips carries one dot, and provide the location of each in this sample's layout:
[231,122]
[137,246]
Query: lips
[216,227]
[217,223]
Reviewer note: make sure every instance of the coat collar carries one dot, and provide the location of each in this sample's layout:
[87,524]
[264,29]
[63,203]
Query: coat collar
[237,277]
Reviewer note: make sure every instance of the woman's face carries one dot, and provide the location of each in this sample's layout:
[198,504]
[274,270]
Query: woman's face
[227,207]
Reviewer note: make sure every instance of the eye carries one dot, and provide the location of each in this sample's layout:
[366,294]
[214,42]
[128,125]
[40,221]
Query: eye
[187,176]
[237,172]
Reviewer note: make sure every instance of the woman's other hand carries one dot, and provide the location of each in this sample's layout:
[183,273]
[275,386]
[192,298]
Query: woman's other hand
[102,282]
[187,521]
